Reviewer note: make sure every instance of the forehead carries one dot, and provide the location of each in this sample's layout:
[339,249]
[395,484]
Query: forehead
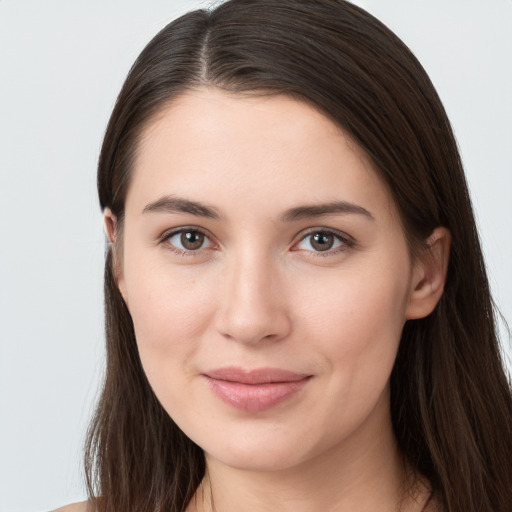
[270,150]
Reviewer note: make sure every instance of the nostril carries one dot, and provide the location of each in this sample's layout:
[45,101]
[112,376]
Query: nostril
[254,327]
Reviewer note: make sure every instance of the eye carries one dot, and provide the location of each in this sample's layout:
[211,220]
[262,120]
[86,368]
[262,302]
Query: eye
[323,241]
[188,240]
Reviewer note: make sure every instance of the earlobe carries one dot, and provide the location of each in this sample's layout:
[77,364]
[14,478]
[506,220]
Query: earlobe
[429,275]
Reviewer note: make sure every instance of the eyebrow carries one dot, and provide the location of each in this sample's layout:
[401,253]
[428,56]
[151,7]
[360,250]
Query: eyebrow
[317,210]
[173,204]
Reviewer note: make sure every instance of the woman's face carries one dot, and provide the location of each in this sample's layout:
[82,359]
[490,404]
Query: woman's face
[268,278]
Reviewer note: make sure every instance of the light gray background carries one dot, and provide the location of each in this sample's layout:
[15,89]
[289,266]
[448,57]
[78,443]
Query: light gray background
[62,63]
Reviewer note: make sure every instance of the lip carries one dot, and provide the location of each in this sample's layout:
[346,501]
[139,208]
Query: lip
[255,390]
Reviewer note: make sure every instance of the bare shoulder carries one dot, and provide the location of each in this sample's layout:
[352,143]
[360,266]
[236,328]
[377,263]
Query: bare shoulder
[75,507]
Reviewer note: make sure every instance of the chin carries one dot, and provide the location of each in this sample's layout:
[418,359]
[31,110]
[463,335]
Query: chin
[261,453]
[261,459]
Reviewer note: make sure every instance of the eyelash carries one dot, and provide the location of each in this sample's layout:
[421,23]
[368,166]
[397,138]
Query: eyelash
[165,239]
[346,242]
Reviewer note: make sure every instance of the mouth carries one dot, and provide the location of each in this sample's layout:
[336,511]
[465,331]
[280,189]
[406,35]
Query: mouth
[255,390]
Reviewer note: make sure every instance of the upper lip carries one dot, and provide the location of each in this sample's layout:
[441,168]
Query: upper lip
[255,376]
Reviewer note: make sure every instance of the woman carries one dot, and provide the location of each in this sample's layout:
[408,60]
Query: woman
[297,311]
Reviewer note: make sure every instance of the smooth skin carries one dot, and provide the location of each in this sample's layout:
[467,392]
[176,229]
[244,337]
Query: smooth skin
[257,234]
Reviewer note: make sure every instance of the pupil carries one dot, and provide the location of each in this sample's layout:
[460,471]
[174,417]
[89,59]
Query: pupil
[192,240]
[322,242]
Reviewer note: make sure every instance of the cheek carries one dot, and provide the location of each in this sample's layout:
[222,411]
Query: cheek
[358,324]
[356,328]
[359,297]
[169,324]
[170,312]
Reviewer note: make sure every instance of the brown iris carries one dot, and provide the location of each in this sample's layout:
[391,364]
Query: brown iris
[322,241]
[192,240]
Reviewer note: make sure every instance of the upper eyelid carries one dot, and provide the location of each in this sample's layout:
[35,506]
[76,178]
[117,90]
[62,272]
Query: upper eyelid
[164,240]
[174,231]
[347,242]
[166,235]
[311,231]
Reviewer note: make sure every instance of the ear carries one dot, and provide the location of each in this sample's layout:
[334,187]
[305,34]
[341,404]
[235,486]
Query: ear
[110,221]
[429,275]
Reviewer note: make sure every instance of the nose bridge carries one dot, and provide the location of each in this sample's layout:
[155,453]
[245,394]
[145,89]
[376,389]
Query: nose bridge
[252,307]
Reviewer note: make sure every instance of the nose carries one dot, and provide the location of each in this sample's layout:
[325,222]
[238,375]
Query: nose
[253,306]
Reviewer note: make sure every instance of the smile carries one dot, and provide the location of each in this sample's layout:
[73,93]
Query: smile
[255,390]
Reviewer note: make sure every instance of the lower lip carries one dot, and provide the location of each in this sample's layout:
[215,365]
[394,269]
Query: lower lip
[255,397]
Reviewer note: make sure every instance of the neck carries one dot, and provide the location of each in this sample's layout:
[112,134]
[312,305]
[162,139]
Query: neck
[365,472]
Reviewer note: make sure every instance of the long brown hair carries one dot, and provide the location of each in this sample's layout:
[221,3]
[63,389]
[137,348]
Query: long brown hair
[450,399]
